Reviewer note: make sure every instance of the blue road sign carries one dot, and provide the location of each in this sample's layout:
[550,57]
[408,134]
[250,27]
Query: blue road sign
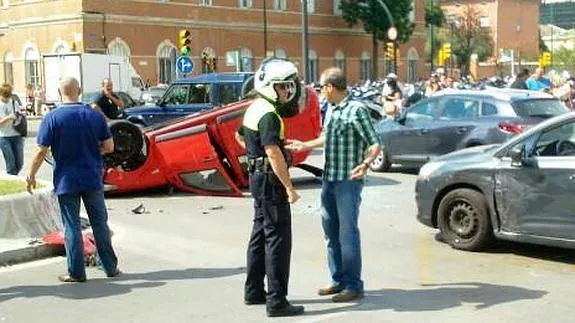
[184,64]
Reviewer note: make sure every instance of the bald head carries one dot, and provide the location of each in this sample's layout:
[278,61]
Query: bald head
[69,89]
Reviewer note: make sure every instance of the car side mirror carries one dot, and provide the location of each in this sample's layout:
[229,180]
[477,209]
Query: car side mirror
[517,154]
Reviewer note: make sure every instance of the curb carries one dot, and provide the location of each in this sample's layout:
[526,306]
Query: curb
[30,253]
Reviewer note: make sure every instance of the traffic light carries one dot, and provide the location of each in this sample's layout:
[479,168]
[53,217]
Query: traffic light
[446,48]
[545,59]
[390,51]
[184,42]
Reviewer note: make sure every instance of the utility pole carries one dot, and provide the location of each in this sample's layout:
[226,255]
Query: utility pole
[304,42]
[265,29]
[432,41]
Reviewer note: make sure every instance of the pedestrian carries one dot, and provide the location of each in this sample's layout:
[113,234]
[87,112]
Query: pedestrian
[11,141]
[262,135]
[538,82]
[39,99]
[108,103]
[77,136]
[392,102]
[520,80]
[351,144]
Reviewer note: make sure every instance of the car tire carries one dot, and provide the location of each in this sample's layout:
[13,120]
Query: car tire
[464,221]
[128,141]
[381,163]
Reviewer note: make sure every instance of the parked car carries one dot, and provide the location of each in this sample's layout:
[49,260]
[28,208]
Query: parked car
[153,94]
[192,95]
[129,102]
[457,119]
[522,190]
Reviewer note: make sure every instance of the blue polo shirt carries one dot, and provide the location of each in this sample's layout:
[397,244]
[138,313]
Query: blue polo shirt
[74,132]
[534,84]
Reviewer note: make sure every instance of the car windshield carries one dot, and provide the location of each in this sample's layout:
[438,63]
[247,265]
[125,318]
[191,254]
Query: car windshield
[90,97]
[539,108]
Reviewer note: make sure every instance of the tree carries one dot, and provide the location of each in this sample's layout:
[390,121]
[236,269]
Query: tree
[542,46]
[434,19]
[373,17]
[564,57]
[434,15]
[468,38]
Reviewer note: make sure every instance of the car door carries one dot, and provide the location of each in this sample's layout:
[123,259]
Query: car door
[127,100]
[456,119]
[536,197]
[173,104]
[408,142]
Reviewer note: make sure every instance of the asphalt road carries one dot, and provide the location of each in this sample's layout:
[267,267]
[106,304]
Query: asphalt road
[184,262]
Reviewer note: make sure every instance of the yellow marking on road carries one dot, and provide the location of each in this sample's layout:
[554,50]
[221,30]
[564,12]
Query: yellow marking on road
[424,258]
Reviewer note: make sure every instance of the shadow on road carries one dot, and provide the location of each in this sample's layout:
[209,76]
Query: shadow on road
[99,288]
[435,297]
[566,256]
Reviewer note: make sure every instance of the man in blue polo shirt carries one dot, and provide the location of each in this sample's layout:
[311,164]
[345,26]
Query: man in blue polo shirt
[539,83]
[77,136]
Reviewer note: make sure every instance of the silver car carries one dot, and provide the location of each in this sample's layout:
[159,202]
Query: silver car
[456,119]
[522,190]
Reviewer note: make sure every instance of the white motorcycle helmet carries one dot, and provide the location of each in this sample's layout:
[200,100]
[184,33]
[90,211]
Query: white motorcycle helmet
[276,71]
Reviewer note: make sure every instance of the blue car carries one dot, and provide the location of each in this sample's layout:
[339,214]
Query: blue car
[193,95]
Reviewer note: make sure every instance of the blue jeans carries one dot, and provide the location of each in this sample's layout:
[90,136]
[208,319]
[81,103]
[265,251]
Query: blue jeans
[98,216]
[13,152]
[340,202]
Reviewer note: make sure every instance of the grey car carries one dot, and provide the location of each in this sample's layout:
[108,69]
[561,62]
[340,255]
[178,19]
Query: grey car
[456,119]
[522,190]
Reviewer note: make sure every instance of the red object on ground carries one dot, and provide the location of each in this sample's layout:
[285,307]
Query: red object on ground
[56,238]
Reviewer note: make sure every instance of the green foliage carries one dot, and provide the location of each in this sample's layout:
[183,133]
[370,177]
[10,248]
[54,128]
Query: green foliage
[12,187]
[564,57]
[374,18]
[434,14]
[468,38]
[542,46]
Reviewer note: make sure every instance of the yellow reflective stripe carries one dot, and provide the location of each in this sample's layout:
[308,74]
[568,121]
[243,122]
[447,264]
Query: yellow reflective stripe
[256,111]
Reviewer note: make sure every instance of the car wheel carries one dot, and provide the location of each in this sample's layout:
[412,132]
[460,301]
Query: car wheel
[464,221]
[128,141]
[381,163]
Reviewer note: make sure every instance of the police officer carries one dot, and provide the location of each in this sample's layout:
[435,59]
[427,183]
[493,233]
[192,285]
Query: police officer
[262,135]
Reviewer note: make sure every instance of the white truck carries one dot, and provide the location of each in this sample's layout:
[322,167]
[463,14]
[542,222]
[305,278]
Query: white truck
[90,70]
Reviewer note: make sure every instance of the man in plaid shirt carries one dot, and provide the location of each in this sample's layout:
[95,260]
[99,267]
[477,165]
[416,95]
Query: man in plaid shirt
[351,144]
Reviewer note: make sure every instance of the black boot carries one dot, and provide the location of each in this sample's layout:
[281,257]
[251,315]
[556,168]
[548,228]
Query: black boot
[288,310]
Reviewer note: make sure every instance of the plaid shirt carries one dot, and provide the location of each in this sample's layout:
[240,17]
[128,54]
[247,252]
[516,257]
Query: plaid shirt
[348,134]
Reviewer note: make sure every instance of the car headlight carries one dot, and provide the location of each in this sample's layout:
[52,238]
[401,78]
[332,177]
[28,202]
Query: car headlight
[428,169]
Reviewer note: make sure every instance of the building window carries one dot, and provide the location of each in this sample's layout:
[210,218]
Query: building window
[450,19]
[209,60]
[311,6]
[365,66]
[118,47]
[5,3]
[246,3]
[340,61]
[61,49]
[167,64]
[336,7]
[205,2]
[8,68]
[280,4]
[313,66]
[280,53]
[31,72]
[484,22]
[246,60]
[412,59]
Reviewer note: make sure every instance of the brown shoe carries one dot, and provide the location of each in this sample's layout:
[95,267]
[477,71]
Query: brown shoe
[330,290]
[347,296]
[70,279]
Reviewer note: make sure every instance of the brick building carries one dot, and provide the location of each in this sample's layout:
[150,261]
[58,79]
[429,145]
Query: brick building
[146,31]
[514,23]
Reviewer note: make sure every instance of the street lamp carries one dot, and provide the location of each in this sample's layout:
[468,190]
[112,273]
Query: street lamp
[305,42]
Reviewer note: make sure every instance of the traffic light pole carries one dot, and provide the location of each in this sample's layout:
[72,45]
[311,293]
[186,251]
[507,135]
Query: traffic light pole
[304,43]
[265,29]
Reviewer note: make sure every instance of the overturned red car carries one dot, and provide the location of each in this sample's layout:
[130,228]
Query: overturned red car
[198,153]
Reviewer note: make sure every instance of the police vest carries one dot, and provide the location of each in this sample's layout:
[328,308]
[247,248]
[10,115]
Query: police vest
[256,111]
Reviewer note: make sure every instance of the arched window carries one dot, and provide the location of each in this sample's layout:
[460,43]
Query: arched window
[313,66]
[8,68]
[336,8]
[119,47]
[31,71]
[166,63]
[60,47]
[209,60]
[340,61]
[280,53]
[412,58]
[246,60]
[365,66]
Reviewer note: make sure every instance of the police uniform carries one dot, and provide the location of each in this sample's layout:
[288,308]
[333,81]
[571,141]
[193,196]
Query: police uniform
[269,249]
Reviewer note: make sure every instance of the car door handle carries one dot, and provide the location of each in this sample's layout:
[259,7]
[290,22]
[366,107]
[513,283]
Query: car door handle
[461,130]
[572,177]
[423,131]
[180,110]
